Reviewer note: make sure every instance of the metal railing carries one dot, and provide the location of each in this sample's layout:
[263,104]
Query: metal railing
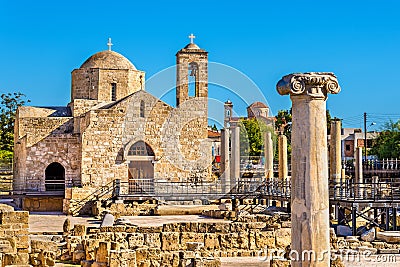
[244,187]
[375,189]
[370,190]
[374,164]
[34,185]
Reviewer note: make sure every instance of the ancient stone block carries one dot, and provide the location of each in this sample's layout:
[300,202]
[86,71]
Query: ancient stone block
[191,237]
[15,259]
[135,240]
[121,239]
[108,220]
[265,239]
[67,226]
[102,252]
[171,227]
[152,240]
[378,244]
[22,241]
[170,241]
[225,241]
[122,258]
[389,237]
[39,245]
[169,258]
[279,263]
[79,230]
[78,255]
[256,225]
[150,229]
[241,241]
[219,228]
[283,238]
[238,227]
[7,245]
[11,217]
[211,241]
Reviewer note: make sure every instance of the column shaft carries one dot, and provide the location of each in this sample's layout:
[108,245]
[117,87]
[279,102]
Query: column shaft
[235,155]
[225,161]
[310,195]
[310,178]
[283,159]
[335,158]
[358,179]
[269,155]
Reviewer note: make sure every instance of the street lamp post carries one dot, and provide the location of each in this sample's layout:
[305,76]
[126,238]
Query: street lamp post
[365,135]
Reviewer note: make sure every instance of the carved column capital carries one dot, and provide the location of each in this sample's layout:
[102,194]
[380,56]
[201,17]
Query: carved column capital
[312,84]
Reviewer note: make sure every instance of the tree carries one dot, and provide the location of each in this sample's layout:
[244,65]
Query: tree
[8,107]
[283,124]
[252,136]
[387,144]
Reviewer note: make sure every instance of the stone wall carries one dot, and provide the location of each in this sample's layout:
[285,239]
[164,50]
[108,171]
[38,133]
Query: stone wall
[95,84]
[42,203]
[41,140]
[170,243]
[17,248]
[14,239]
[176,136]
[101,143]
[79,107]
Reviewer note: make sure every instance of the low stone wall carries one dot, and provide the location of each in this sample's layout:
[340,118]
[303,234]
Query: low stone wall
[14,239]
[172,243]
[42,203]
[16,247]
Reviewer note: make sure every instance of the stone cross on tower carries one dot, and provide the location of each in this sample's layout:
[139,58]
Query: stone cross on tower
[191,37]
[109,44]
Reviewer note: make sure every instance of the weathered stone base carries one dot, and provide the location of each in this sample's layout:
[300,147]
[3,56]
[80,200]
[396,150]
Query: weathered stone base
[42,204]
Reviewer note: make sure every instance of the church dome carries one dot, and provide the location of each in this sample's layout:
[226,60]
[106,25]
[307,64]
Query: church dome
[108,60]
[192,46]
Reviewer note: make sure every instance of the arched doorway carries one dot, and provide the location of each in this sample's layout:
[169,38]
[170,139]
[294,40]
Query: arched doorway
[55,177]
[141,168]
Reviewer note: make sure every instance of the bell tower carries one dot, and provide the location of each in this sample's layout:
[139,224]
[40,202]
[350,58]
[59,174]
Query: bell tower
[191,73]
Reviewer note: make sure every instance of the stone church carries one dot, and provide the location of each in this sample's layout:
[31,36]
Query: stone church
[112,129]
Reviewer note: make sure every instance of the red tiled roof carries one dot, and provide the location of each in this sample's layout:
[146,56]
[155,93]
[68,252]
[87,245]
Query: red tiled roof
[213,134]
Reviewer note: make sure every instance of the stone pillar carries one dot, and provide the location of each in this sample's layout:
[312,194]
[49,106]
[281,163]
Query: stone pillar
[269,155]
[235,154]
[225,161]
[358,179]
[343,183]
[282,154]
[335,156]
[309,182]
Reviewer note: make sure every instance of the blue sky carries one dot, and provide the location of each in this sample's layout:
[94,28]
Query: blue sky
[43,41]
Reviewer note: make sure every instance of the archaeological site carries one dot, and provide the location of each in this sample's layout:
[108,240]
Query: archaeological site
[118,177]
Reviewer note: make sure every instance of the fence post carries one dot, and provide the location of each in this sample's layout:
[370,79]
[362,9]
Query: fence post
[117,187]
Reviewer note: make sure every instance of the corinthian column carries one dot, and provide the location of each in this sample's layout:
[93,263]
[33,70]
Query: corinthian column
[309,182]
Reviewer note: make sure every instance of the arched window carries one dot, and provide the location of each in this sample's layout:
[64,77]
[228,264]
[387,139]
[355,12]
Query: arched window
[142,107]
[192,78]
[140,148]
